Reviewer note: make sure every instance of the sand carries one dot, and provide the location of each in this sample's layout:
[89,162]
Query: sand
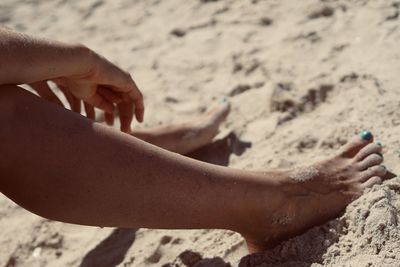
[302,76]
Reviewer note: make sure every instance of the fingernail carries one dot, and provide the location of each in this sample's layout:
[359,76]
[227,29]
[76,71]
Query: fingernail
[378,143]
[366,135]
[127,130]
[223,100]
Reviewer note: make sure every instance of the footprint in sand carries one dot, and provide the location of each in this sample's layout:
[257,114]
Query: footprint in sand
[322,12]
[285,99]
[156,256]
[306,143]
[265,21]
[178,32]
[190,258]
[165,240]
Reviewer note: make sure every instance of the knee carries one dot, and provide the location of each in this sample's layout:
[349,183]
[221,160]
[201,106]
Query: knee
[15,104]
[10,96]
[7,96]
[13,100]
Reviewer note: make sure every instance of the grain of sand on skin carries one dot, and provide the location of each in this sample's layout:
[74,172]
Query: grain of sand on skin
[302,76]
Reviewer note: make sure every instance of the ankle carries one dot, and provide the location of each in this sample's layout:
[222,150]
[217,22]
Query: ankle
[265,197]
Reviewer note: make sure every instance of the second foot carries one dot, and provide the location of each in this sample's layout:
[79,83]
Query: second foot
[313,195]
[187,137]
[202,131]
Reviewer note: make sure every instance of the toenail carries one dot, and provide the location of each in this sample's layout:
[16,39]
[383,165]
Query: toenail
[378,143]
[380,154]
[366,135]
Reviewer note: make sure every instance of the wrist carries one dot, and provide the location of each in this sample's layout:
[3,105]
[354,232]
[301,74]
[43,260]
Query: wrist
[81,60]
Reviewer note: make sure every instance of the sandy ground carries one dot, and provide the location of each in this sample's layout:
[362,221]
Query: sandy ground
[302,76]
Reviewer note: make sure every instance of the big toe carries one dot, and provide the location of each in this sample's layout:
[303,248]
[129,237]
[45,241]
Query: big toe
[218,114]
[357,143]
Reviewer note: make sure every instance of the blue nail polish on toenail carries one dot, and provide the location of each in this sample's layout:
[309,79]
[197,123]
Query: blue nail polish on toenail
[366,135]
[378,143]
[380,154]
[223,100]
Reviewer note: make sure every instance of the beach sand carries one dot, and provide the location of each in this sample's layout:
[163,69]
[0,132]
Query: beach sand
[302,76]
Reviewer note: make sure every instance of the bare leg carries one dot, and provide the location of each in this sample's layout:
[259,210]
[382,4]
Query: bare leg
[64,167]
[187,137]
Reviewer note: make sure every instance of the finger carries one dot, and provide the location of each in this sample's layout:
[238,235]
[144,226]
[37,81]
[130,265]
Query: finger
[76,104]
[44,91]
[139,110]
[109,118]
[109,94]
[67,95]
[123,82]
[137,98]
[89,110]
[101,103]
[125,111]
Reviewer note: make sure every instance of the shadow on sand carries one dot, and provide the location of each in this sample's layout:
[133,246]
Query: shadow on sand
[219,152]
[111,251]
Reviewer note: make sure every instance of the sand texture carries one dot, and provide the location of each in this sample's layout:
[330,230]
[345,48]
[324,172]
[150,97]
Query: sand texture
[302,76]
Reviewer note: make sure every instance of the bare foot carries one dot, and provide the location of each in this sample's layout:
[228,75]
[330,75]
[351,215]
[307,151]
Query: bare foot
[315,194]
[187,137]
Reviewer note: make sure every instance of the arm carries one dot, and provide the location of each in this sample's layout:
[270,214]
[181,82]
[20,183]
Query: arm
[79,72]
[26,59]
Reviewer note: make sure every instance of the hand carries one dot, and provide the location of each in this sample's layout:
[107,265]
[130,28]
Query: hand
[103,86]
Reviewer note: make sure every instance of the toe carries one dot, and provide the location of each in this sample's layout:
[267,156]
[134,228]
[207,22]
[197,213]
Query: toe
[369,161]
[356,144]
[224,110]
[368,150]
[371,182]
[218,114]
[379,171]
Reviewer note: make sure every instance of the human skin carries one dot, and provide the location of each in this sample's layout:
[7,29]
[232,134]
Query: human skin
[76,69]
[79,72]
[186,137]
[82,172]
[65,167]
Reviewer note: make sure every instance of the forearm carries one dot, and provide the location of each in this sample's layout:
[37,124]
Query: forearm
[26,59]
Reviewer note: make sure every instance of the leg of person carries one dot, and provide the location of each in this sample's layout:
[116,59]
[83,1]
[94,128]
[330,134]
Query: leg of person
[65,167]
[187,137]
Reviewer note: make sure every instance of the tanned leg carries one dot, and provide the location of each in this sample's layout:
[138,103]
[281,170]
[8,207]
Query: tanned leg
[65,167]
